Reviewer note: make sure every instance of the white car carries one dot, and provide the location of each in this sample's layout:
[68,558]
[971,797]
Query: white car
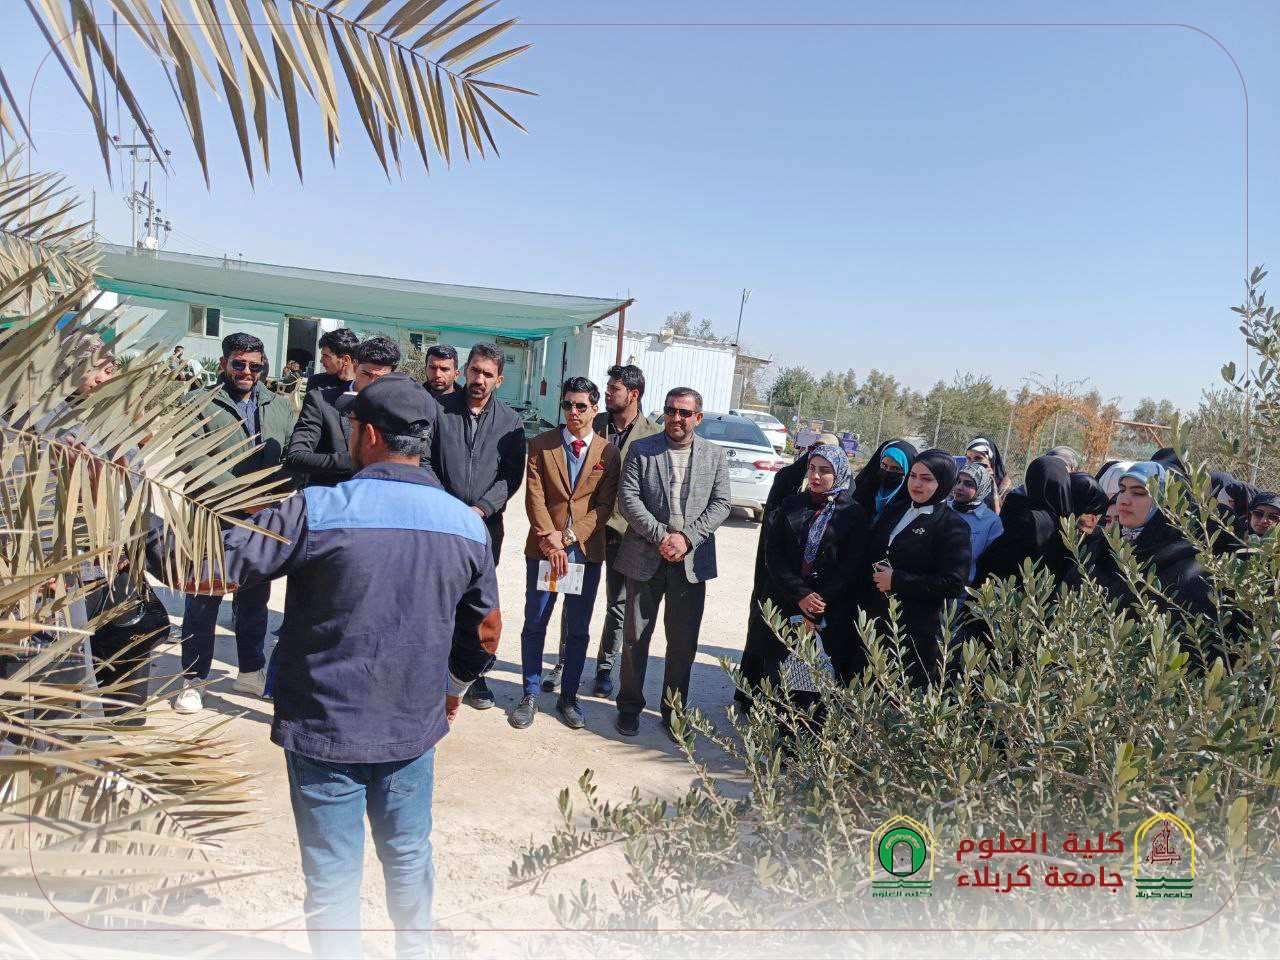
[770,425]
[752,460]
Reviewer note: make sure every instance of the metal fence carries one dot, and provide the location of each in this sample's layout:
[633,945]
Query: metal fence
[872,425]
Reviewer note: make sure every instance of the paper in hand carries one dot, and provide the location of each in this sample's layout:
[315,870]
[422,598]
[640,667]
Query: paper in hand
[570,583]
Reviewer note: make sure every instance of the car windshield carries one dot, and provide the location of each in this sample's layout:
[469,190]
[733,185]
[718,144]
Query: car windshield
[767,421]
[732,431]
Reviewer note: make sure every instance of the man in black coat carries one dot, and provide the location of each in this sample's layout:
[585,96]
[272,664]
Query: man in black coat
[317,451]
[478,452]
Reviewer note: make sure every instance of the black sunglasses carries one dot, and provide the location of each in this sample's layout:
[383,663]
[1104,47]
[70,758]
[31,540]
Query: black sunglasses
[572,405]
[680,412]
[241,365]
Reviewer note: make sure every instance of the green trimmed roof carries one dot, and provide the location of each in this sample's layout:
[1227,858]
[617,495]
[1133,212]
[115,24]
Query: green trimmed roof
[354,298]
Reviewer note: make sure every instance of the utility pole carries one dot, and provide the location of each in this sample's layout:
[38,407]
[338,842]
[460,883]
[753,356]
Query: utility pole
[937,427]
[143,202]
[737,337]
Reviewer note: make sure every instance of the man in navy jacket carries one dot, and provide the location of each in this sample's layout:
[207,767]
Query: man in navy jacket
[390,613]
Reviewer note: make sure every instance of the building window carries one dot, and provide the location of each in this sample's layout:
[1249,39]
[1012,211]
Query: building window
[204,321]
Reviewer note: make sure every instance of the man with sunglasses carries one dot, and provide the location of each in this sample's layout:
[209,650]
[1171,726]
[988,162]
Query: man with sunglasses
[571,483]
[674,493]
[266,419]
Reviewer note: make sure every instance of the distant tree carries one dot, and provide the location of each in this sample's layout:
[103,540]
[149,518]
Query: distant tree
[1151,411]
[679,322]
[793,386]
[705,330]
[972,403]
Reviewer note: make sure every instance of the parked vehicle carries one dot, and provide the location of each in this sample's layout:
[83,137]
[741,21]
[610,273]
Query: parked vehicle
[771,426]
[752,458]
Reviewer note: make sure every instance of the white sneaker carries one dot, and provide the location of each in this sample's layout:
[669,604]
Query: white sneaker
[188,700]
[254,683]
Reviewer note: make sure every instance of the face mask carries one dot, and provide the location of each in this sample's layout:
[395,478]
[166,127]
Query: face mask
[888,481]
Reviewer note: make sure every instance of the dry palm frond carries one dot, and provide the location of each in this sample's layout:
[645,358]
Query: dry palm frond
[98,824]
[104,826]
[397,60]
[41,240]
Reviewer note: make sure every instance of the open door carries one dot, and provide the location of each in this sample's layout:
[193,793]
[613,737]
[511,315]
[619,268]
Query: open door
[300,345]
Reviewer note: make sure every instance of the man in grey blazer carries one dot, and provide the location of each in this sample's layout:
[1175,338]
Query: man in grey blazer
[674,493]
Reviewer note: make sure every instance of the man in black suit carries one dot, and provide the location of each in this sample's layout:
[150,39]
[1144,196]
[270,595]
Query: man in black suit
[317,450]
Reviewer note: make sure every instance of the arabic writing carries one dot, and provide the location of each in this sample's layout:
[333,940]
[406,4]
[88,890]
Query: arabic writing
[1037,845]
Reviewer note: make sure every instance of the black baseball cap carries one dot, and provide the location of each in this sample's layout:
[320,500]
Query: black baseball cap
[394,403]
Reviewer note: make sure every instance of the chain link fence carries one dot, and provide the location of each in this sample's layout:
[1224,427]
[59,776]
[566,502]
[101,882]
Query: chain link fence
[872,425]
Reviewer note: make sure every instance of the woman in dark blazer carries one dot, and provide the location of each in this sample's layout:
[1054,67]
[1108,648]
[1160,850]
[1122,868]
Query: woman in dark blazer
[920,549]
[816,545]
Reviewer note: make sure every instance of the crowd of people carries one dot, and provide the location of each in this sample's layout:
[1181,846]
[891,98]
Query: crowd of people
[391,542]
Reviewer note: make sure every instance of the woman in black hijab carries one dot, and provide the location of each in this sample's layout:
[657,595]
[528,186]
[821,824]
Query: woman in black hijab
[760,638]
[816,546]
[883,476]
[1030,517]
[921,548]
[1089,504]
[1233,501]
[1168,458]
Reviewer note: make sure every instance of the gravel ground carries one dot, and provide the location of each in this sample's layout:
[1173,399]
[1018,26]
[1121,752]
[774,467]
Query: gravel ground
[496,787]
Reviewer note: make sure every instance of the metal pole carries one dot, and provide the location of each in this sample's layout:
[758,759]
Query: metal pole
[622,328]
[880,424]
[1056,417]
[1008,434]
[737,336]
[937,427]
[133,189]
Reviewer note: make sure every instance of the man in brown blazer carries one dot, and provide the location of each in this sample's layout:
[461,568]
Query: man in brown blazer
[621,423]
[571,483]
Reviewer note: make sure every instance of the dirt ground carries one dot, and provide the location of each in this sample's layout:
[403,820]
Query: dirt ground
[496,787]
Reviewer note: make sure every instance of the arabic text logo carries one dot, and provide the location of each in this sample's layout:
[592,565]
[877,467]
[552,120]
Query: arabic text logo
[901,859]
[1164,858]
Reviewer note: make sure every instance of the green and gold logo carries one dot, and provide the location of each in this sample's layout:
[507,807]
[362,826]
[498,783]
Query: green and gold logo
[1164,858]
[902,859]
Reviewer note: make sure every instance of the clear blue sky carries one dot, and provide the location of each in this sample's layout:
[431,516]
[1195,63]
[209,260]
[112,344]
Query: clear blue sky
[925,200]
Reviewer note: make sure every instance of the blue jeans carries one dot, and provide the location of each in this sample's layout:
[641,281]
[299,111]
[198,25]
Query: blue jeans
[538,605]
[329,804]
[200,618]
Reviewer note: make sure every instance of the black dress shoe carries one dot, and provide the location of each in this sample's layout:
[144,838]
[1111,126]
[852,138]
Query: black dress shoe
[522,714]
[552,679]
[571,714]
[604,683]
[628,724]
[478,695]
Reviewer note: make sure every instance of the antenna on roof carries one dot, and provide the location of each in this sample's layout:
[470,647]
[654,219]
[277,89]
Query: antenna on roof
[142,203]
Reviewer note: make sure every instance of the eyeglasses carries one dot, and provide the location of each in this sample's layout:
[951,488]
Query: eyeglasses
[568,405]
[239,366]
[1265,516]
[680,412]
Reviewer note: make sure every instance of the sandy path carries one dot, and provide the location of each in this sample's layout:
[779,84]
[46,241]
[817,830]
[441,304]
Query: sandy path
[496,788]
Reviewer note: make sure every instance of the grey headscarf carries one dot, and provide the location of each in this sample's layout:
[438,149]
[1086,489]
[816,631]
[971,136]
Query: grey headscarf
[839,461]
[981,479]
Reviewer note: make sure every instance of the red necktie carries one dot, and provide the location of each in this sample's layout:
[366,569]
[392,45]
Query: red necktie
[577,448]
